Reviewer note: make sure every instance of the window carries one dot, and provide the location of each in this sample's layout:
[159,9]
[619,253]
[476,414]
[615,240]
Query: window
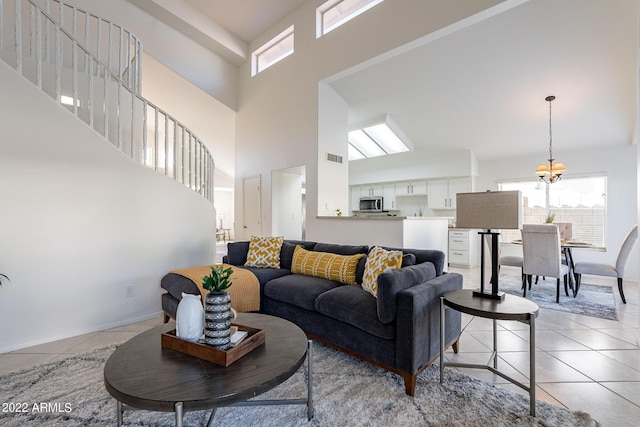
[334,13]
[580,201]
[273,51]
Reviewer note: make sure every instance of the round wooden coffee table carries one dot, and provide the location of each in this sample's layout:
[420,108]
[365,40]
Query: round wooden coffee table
[144,375]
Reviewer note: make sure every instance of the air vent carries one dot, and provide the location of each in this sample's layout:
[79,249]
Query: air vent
[334,158]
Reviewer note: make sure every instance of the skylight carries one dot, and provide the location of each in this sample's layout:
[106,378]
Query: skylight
[334,13]
[377,140]
[273,51]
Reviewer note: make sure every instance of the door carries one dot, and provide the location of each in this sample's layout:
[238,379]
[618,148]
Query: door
[251,207]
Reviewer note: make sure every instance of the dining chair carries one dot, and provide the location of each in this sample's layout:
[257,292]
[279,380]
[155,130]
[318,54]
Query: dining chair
[510,260]
[609,270]
[566,230]
[542,255]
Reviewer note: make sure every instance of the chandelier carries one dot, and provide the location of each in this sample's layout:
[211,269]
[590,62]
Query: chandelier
[550,172]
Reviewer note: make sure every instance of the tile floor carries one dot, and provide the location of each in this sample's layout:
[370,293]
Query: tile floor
[582,363]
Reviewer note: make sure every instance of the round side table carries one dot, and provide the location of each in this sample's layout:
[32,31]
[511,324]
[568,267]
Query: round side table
[510,308]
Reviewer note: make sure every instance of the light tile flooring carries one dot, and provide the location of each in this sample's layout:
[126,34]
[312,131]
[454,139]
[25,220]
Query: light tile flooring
[582,363]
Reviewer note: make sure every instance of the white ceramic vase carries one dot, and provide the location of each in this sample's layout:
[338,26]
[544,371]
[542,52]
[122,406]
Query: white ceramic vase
[190,318]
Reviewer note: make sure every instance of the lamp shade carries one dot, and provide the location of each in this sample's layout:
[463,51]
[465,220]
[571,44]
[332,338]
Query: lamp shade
[490,210]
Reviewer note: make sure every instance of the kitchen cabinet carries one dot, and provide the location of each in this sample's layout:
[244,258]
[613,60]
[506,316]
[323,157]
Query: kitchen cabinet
[463,248]
[389,196]
[410,188]
[442,192]
[367,190]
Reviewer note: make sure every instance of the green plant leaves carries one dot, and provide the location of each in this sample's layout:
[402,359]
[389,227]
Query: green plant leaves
[218,280]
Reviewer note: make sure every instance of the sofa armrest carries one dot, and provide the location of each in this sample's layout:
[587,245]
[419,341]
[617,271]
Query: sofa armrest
[418,322]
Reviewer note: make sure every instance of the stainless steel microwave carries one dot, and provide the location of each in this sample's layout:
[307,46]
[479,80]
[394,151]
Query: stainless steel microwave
[371,204]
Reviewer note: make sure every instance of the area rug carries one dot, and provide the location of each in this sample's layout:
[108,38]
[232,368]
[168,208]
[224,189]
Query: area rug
[347,392]
[592,300]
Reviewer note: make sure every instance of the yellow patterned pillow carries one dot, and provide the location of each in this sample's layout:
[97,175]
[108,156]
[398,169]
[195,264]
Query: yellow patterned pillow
[341,268]
[264,252]
[378,261]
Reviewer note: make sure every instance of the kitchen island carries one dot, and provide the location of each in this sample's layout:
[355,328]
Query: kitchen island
[390,231]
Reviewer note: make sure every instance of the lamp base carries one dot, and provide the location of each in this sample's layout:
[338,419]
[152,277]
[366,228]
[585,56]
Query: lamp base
[489,295]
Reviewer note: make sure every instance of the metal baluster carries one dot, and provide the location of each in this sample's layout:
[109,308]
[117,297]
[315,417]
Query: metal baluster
[38,49]
[18,36]
[155,139]
[144,132]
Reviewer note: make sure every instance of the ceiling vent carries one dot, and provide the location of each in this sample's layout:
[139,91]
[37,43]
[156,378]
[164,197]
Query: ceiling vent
[334,158]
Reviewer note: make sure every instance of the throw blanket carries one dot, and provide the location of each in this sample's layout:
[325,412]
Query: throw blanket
[244,290]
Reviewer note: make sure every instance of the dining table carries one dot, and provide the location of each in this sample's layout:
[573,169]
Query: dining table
[567,246]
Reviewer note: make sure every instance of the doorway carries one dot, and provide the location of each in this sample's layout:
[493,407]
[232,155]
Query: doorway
[288,202]
[251,207]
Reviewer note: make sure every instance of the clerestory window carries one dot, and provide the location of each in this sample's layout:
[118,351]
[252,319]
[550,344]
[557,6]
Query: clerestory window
[273,51]
[334,13]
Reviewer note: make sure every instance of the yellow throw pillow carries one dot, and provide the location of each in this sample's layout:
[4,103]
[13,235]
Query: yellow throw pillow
[264,252]
[341,268]
[378,261]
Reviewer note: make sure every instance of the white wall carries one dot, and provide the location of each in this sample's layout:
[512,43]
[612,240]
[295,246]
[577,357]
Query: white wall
[620,166]
[191,60]
[209,119]
[413,165]
[277,121]
[82,224]
[333,127]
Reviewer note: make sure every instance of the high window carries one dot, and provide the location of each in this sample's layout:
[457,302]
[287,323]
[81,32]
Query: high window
[273,51]
[580,201]
[334,13]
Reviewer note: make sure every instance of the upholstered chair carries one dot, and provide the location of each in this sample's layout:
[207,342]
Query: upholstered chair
[565,229]
[542,255]
[510,260]
[617,270]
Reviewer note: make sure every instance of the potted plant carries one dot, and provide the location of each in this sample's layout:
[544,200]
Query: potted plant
[217,307]
[549,219]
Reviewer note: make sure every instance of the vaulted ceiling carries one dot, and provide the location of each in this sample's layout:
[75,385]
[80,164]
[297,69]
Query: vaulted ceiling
[481,88]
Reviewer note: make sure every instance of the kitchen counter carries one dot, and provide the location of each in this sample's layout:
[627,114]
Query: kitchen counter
[389,217]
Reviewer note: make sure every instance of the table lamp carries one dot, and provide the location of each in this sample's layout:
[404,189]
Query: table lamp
[490,210]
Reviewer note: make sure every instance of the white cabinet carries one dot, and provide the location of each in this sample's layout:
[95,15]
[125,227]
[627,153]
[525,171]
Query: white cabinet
[463,248]
[410,188]
[371,190]
[442,192]
[389,196]
[357,191]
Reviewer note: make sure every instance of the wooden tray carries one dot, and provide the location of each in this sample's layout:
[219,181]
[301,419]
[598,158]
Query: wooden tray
[254,339]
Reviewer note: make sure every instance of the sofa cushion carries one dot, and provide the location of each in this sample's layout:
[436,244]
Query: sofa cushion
[390,283]
[264,275]
[298,289]
[408,259]
[341,268]
[237,252]
[264,252]
[378,261]
[286,253]
[341,249]
[356,307]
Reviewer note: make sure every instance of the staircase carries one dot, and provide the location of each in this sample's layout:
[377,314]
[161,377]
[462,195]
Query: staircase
[91,67]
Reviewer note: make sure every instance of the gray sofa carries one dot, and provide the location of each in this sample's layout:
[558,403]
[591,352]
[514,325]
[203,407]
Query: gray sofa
[398,331]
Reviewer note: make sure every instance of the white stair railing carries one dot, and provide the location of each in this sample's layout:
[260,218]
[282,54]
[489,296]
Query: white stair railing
[38,48]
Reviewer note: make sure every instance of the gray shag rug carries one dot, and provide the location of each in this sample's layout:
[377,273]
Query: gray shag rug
[347,392]
[592,300]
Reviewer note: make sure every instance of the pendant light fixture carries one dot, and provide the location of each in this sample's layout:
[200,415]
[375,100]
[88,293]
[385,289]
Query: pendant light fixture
[553,171]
